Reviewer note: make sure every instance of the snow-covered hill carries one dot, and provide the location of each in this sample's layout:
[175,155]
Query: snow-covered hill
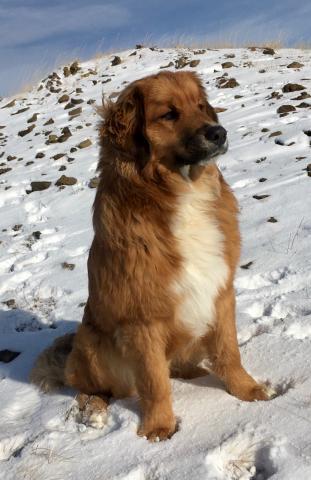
[50,133]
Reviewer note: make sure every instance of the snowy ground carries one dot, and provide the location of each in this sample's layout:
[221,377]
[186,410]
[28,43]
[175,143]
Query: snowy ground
[44,241]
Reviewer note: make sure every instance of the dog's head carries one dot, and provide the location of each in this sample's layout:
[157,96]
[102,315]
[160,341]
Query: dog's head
[167,118]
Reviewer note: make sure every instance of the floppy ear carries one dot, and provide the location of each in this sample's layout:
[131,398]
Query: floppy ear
[123,125]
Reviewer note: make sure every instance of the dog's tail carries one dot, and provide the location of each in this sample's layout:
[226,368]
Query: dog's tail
[48,372]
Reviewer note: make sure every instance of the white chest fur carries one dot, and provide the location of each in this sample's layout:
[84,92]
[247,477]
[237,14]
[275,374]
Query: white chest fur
[204,270]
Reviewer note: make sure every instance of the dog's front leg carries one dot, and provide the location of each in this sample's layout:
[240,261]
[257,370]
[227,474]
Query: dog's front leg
[152,382]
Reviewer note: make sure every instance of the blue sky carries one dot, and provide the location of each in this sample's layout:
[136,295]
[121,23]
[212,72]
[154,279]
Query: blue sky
[37,35]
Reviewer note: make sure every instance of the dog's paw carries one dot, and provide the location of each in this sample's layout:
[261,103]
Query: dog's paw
[156,433]
[92,411]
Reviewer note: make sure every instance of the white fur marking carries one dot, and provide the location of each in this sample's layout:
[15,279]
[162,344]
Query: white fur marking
[204,268]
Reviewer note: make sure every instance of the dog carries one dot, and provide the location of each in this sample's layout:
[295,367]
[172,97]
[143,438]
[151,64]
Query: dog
[162,263]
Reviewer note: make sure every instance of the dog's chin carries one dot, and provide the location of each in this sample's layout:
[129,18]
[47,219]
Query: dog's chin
[204,155]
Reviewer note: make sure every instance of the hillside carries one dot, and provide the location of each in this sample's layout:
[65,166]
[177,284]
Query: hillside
[48,157]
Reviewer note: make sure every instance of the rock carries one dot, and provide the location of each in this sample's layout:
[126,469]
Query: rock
[79,90]
[286,109]
[302,96]
[170,64]
[73,149]
[17,227]
[262,179]
[93,183]
[292,87]
[264,130]
[75,112]
[52,138]
[230,55]
[85,143]
[295,65]
[36,235]
[307,132]
[108,80]
[194,63]
[21,110]
[10,158]
[34,118]
[303,105]
[10,104]
[227,83]
[260,197]
[39,186]
[63,180]
[40,155]
[77,101]
[66,131]
[272,220]
[62,168]
[64,98]
[4,170]
[247,265]
[49,122]
[22,133]
[91,101]
[68,266]
[68,106]
[227,65]
[29,163]
[6,356]
[275,134]
[58,156]
[268,51]
[63,138]
[74,68]
[181,62]
[116,61]
[66,71]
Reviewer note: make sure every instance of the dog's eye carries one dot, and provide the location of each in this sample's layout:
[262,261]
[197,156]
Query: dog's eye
[171,115]
[201,107]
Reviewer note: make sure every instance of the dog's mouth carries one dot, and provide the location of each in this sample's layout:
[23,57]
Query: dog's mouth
[201,152]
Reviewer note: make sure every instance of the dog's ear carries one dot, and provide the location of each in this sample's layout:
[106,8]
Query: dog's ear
[123,125]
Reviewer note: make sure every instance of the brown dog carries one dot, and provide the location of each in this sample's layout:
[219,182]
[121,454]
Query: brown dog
[163,258]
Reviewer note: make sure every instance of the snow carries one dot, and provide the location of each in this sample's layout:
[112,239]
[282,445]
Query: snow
[219,437]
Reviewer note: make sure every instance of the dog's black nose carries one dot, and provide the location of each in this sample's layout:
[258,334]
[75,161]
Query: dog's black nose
[216,134]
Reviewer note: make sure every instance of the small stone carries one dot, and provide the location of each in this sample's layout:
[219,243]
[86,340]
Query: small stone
[260,197]
[75,112]
[85,143]
[247,265]
[268,51]
[275,134]
[53,138]
[10,104]
[39,186]
[4,170]
[227,65]
[292,87]
[17,227]
[77,101]
[272,220]
[74,68]
[194,63]
[34,118]
[58,156]
[170,64]
[10,158]
[22,133]
[303,95]
[262,179]
[49,122]
[29,163]
[66,71]
[116,61]
[93,183]
[68,266]
[307,132]
[36,235]
[303,105]
[73,149]
[64,98]
[62,168]
[6,356]
[68,181]
[286,109]
[40,155]
[295,65]
[264,130]
[181,62]
[227,83]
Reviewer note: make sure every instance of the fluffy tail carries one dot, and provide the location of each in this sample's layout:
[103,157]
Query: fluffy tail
[48,372]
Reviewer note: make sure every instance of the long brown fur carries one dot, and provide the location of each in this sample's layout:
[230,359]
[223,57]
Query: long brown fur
[131,339]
